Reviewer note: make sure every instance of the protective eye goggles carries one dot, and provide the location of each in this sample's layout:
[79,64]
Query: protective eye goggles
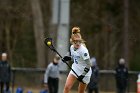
[77,41]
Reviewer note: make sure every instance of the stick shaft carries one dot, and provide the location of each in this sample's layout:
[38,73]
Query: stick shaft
[53,49]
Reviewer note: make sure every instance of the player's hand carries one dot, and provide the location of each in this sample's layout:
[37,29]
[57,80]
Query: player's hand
[66,58]
[80,78]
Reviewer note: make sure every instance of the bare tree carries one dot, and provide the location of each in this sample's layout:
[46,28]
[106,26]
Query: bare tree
[38,32]
[7,29]
[126,25]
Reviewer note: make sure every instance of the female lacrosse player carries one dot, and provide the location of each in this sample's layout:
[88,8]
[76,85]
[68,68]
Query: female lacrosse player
[81,65]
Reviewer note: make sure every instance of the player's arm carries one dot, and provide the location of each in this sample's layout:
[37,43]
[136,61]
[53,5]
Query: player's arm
[86,69]
[86,58]
[46,74]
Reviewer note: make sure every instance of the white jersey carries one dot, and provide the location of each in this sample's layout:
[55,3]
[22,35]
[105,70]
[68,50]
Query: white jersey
[79,56]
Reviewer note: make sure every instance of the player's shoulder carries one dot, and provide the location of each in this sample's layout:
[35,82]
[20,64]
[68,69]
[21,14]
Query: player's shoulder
[50,64]
[71,47]
[83,49]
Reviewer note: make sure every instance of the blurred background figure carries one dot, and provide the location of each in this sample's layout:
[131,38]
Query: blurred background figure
[19,90]
[93,84]
[51,76]
[121,76]
[5,73]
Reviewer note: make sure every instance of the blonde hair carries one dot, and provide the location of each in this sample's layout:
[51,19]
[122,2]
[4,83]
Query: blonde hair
[57,57]
[76,34]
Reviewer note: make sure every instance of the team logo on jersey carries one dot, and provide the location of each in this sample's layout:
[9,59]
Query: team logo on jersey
[85,54]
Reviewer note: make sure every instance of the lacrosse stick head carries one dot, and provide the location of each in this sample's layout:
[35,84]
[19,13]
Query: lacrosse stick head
[48,42]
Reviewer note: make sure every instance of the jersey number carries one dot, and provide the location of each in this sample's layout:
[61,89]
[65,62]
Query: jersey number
[75,60]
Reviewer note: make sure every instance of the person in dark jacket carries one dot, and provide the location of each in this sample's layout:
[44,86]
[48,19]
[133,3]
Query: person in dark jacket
[93,84]
[121,76]
[5,73]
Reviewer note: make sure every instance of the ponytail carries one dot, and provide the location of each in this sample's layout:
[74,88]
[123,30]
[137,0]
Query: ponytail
[75,30]
[76,34]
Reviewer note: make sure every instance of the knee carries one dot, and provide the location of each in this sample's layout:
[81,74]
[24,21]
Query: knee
[67,87]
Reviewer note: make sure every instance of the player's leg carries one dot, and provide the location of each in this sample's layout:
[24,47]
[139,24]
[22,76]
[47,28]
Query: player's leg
[96,90]
[2,86]
[7,86]
[118,90]
[82,87]
[55,85]
[69,83]
[50,85]
[90,90]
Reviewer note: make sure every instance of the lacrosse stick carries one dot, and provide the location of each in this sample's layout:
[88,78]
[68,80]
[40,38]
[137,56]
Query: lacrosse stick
[48,43]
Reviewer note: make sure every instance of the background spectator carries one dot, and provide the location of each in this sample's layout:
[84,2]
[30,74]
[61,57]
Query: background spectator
[51,76]
[93,84]
[121,76]
[5,73]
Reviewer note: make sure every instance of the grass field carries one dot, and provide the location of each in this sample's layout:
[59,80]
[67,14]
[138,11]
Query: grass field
[38,91]
[33,90]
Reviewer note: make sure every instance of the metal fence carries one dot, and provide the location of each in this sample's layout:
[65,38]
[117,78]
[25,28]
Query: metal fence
[32,79]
